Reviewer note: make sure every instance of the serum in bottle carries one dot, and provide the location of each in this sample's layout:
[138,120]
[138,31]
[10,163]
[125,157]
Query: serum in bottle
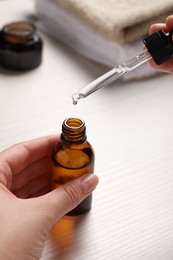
[72,157]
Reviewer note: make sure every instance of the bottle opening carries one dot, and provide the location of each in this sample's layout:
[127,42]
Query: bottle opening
[74,123]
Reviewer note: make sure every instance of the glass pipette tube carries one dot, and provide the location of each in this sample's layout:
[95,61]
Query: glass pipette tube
[112,75]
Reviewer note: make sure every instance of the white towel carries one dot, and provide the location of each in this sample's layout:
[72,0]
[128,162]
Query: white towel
[119,20]
[68,28]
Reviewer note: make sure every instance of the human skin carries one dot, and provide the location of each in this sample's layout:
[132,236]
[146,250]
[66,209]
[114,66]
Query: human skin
[167,26]
[28,208]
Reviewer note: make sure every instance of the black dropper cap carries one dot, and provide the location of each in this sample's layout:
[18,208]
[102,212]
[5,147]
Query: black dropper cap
[160,46]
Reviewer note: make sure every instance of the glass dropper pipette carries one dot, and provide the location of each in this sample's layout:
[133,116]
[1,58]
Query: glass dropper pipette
[111,76]
[159,46]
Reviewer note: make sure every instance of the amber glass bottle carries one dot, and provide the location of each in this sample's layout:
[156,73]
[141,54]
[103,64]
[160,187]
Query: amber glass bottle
[20,46]
[72,157]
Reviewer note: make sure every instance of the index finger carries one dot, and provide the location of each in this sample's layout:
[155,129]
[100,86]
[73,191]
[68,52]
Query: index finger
[166,27]
[158,26]
[19,156]
[169,22]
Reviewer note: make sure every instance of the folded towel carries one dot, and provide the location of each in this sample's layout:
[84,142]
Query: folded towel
[65,23]
[122,21]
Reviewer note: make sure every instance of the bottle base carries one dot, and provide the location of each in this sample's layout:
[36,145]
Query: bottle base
[82,208]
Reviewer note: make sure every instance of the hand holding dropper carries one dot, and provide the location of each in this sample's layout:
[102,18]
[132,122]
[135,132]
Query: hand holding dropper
[158,50]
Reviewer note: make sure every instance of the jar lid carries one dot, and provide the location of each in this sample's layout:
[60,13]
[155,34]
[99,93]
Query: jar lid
[18,32]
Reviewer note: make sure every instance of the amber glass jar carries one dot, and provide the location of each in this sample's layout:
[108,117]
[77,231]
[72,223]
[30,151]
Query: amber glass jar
[72,157]
[20,46]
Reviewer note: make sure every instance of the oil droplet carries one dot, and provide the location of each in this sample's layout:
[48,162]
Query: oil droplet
[75,98]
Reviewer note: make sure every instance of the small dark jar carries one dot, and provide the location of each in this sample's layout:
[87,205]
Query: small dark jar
[20,46]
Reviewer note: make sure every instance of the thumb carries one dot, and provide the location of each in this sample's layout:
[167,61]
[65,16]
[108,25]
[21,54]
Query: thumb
[63,199]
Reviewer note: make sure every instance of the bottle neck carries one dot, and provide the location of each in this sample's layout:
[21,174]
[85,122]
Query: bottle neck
[73,130]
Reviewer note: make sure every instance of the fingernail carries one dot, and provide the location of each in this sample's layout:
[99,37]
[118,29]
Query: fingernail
[89,182]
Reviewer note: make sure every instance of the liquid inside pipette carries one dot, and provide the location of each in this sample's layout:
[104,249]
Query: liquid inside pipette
[111,76]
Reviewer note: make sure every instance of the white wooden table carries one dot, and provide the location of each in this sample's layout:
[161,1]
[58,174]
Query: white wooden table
[130,126]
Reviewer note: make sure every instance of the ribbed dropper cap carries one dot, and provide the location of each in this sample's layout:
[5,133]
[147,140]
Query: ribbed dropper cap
[160,46]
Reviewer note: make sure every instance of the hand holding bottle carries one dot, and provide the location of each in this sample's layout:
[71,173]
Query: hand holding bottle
[28,208]
[167,26]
